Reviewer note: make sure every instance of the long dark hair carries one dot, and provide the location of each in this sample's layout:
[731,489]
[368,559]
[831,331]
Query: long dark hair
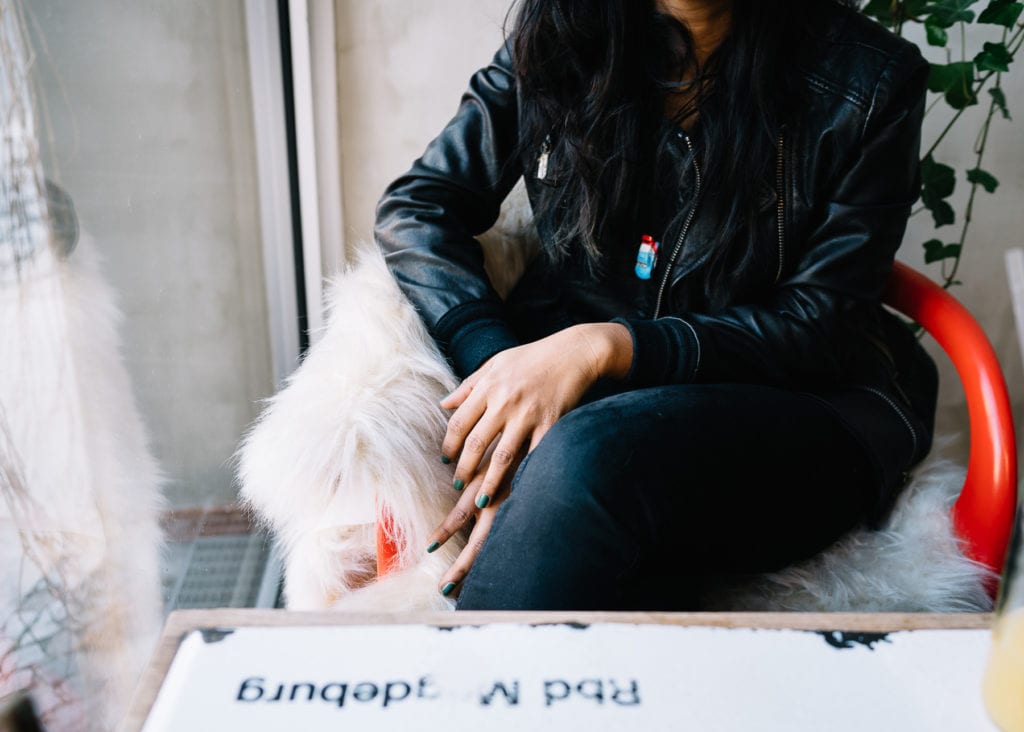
[594,76]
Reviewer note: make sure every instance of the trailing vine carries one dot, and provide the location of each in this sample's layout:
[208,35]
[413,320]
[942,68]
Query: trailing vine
[959,83]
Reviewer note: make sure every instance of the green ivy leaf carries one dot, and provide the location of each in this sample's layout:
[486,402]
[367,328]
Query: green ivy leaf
[936,36]
[994,57]
[937,183]
[983,178]
[932,250]
[946,13]
[942,213]
[881,10]
[955,81]
[1001,12]
[1000,99]
[937,179]
[936,251]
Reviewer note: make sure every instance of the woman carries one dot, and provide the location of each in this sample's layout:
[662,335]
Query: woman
[696,376]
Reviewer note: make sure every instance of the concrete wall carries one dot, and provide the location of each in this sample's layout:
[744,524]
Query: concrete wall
[151,133]
[403,66]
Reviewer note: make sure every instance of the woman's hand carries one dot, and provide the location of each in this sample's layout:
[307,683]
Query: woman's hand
[460,515]
[510,403]
[520,393]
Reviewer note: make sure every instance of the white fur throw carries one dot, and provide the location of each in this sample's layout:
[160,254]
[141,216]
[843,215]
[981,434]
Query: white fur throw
[359,422]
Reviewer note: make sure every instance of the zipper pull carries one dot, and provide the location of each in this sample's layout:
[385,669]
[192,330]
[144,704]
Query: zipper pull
[542,161]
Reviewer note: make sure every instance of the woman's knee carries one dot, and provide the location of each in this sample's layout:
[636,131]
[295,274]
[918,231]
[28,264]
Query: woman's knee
[581,452]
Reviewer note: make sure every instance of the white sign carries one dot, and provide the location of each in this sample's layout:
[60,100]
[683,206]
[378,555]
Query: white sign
[598,677]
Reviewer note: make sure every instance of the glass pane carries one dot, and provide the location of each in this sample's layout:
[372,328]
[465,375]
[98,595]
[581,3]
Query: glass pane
[133,332]
[150,132]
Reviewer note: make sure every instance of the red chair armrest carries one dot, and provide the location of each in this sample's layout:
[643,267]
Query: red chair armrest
[984,513]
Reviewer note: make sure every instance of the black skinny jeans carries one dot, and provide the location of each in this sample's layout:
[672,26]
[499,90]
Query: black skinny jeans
[629,500]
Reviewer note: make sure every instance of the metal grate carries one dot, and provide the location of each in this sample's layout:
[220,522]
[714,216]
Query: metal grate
[221,571]
[214,558]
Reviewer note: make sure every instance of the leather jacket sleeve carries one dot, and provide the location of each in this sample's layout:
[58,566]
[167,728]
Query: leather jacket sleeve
[427,219]
[795,335]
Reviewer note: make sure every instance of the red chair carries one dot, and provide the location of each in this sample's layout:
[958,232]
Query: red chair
[984,513]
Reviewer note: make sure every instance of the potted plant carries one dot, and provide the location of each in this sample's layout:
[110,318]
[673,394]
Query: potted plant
[963,81]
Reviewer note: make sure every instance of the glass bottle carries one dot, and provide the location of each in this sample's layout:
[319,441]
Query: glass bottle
[1004,677]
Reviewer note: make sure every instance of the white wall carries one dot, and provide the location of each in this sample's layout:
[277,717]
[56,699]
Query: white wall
[403,66]
[152,136]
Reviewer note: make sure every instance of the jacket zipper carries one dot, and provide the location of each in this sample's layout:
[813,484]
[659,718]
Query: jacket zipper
[780,207]
[685,230]
[899,412]
[883,349]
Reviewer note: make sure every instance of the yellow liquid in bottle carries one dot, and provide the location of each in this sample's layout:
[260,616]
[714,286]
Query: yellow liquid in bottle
[1004,677]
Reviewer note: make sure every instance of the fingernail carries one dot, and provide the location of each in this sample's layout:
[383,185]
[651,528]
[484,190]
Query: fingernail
[447,589]
[458,484]
[445,459]
[433,547]
[482,500]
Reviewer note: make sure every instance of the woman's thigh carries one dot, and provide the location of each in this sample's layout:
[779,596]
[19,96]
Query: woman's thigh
[631,497]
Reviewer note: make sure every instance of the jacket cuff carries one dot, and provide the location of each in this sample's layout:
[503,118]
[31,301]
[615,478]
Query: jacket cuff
[665,351]
[473,332]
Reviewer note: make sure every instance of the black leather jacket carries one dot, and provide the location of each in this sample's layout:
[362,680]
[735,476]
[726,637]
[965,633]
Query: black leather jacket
[831,224]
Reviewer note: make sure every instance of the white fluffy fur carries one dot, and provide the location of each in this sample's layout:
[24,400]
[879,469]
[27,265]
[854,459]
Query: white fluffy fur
[359,422]
[82,495]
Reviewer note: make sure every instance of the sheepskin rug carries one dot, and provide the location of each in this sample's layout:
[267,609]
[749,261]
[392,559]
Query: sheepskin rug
[358,426]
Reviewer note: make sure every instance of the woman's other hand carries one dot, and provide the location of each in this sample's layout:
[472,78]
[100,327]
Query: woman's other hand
[511,402]
[460,515]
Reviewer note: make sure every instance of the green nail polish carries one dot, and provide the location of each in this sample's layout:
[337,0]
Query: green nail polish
[447,589]
[482,501]
[458,485]
[434,546]
[445,459]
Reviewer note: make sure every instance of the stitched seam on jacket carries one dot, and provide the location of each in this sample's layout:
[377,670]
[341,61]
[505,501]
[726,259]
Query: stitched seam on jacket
[696,340]
[885,76]
[465,315]
[823,84]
